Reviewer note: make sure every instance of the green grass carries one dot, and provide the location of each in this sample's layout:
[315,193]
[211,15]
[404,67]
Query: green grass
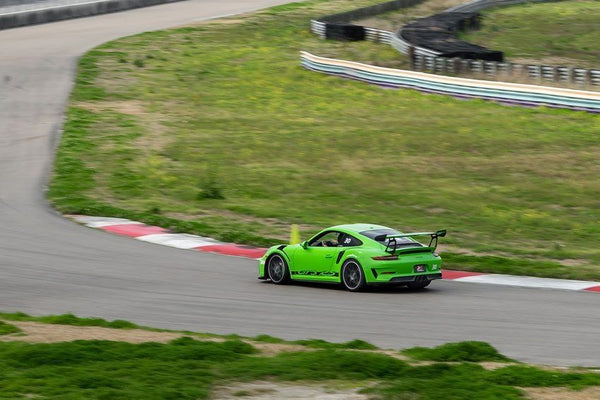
[8,329]
[70,319]
[462,351]
[561,33]
[189,369]
[516,188]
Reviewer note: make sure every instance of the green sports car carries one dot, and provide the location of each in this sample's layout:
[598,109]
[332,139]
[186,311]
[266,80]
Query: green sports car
[356,255]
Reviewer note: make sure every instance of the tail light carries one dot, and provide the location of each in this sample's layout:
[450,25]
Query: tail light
[385,258]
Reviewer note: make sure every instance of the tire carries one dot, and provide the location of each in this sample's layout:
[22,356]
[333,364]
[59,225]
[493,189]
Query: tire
[353,277]
[278,270]
[419,283]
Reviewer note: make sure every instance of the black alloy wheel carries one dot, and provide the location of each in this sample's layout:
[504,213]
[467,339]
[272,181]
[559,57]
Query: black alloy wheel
[353,277]
[278,269]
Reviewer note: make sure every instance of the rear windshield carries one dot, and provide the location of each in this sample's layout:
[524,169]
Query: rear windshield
[377,234]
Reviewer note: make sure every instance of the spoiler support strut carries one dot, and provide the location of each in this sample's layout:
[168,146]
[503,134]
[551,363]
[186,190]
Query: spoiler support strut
[393,244]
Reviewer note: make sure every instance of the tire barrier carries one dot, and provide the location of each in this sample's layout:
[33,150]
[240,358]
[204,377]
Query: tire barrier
[58,11]
[338,26]
[508,93]
[438,33]
[421,37]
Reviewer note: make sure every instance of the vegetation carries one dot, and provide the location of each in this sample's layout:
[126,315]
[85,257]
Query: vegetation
[561,33]
[233,139]
[462,351]
[8,329]
[189,369]
[70,319]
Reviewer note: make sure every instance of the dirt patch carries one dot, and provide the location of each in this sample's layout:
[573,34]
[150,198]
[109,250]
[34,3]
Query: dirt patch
[275,391]
[35,332]
[271,349]
[129,107]
[592,393]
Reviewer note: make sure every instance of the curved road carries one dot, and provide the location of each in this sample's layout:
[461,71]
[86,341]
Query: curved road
[49,265]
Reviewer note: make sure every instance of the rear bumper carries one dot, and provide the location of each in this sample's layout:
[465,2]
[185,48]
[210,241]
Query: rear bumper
[402,279]
[399,280]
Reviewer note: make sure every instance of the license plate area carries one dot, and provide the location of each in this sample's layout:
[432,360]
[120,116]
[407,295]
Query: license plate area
[420,268]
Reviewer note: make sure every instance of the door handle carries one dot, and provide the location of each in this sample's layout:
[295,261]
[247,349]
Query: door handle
[328,256]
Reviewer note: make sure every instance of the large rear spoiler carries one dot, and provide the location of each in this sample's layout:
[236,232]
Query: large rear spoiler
[392,244]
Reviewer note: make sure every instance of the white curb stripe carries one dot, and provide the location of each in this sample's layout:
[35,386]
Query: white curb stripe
[529,282]
[99,222]
[178,240]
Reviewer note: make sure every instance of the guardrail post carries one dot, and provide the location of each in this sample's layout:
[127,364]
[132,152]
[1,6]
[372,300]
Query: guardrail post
[595,77]
[548,73]
[579,76]
[440,65]
[563,74]
[491,68]
[534,72]
[477,66]
[430,63]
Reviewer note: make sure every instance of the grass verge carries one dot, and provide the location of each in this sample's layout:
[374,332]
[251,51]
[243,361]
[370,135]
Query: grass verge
[462,351]
[186,368]
[561,33]
[234,140]
[8,329]
[70,319]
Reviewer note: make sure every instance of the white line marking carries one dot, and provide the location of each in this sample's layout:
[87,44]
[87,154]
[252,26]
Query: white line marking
[178,240]
[99,222]
[528,281]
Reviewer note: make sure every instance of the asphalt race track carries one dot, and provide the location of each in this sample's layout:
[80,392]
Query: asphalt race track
[50,265]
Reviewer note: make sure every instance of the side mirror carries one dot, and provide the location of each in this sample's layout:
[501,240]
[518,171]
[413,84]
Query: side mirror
[304,244]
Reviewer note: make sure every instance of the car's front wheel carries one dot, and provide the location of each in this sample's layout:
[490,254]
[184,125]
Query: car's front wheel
[353,277]
[278,269]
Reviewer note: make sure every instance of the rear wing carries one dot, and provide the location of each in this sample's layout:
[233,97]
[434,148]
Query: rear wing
[392,244]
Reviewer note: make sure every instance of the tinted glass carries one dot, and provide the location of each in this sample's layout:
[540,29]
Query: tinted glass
[349,241]
[377,233]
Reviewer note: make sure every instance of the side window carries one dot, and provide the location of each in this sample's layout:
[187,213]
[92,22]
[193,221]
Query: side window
[326,239]
[349,241]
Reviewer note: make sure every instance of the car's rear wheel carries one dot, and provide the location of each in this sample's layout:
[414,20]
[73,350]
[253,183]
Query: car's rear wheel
[419,283]
[278,269]
[353,277]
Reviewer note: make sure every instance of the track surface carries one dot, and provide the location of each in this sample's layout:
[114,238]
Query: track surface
[50,265]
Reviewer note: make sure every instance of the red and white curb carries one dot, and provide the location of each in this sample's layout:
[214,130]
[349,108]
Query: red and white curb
[157,235]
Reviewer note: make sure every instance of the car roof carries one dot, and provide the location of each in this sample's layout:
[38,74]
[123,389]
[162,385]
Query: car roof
[357,228]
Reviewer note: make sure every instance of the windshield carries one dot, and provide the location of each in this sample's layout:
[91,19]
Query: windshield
[378,235]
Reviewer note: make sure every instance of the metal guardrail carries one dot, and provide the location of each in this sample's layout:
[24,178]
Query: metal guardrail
[421,62]
[534,73]
[514,93]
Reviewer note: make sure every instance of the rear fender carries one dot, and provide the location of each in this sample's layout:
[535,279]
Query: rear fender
[353,254]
